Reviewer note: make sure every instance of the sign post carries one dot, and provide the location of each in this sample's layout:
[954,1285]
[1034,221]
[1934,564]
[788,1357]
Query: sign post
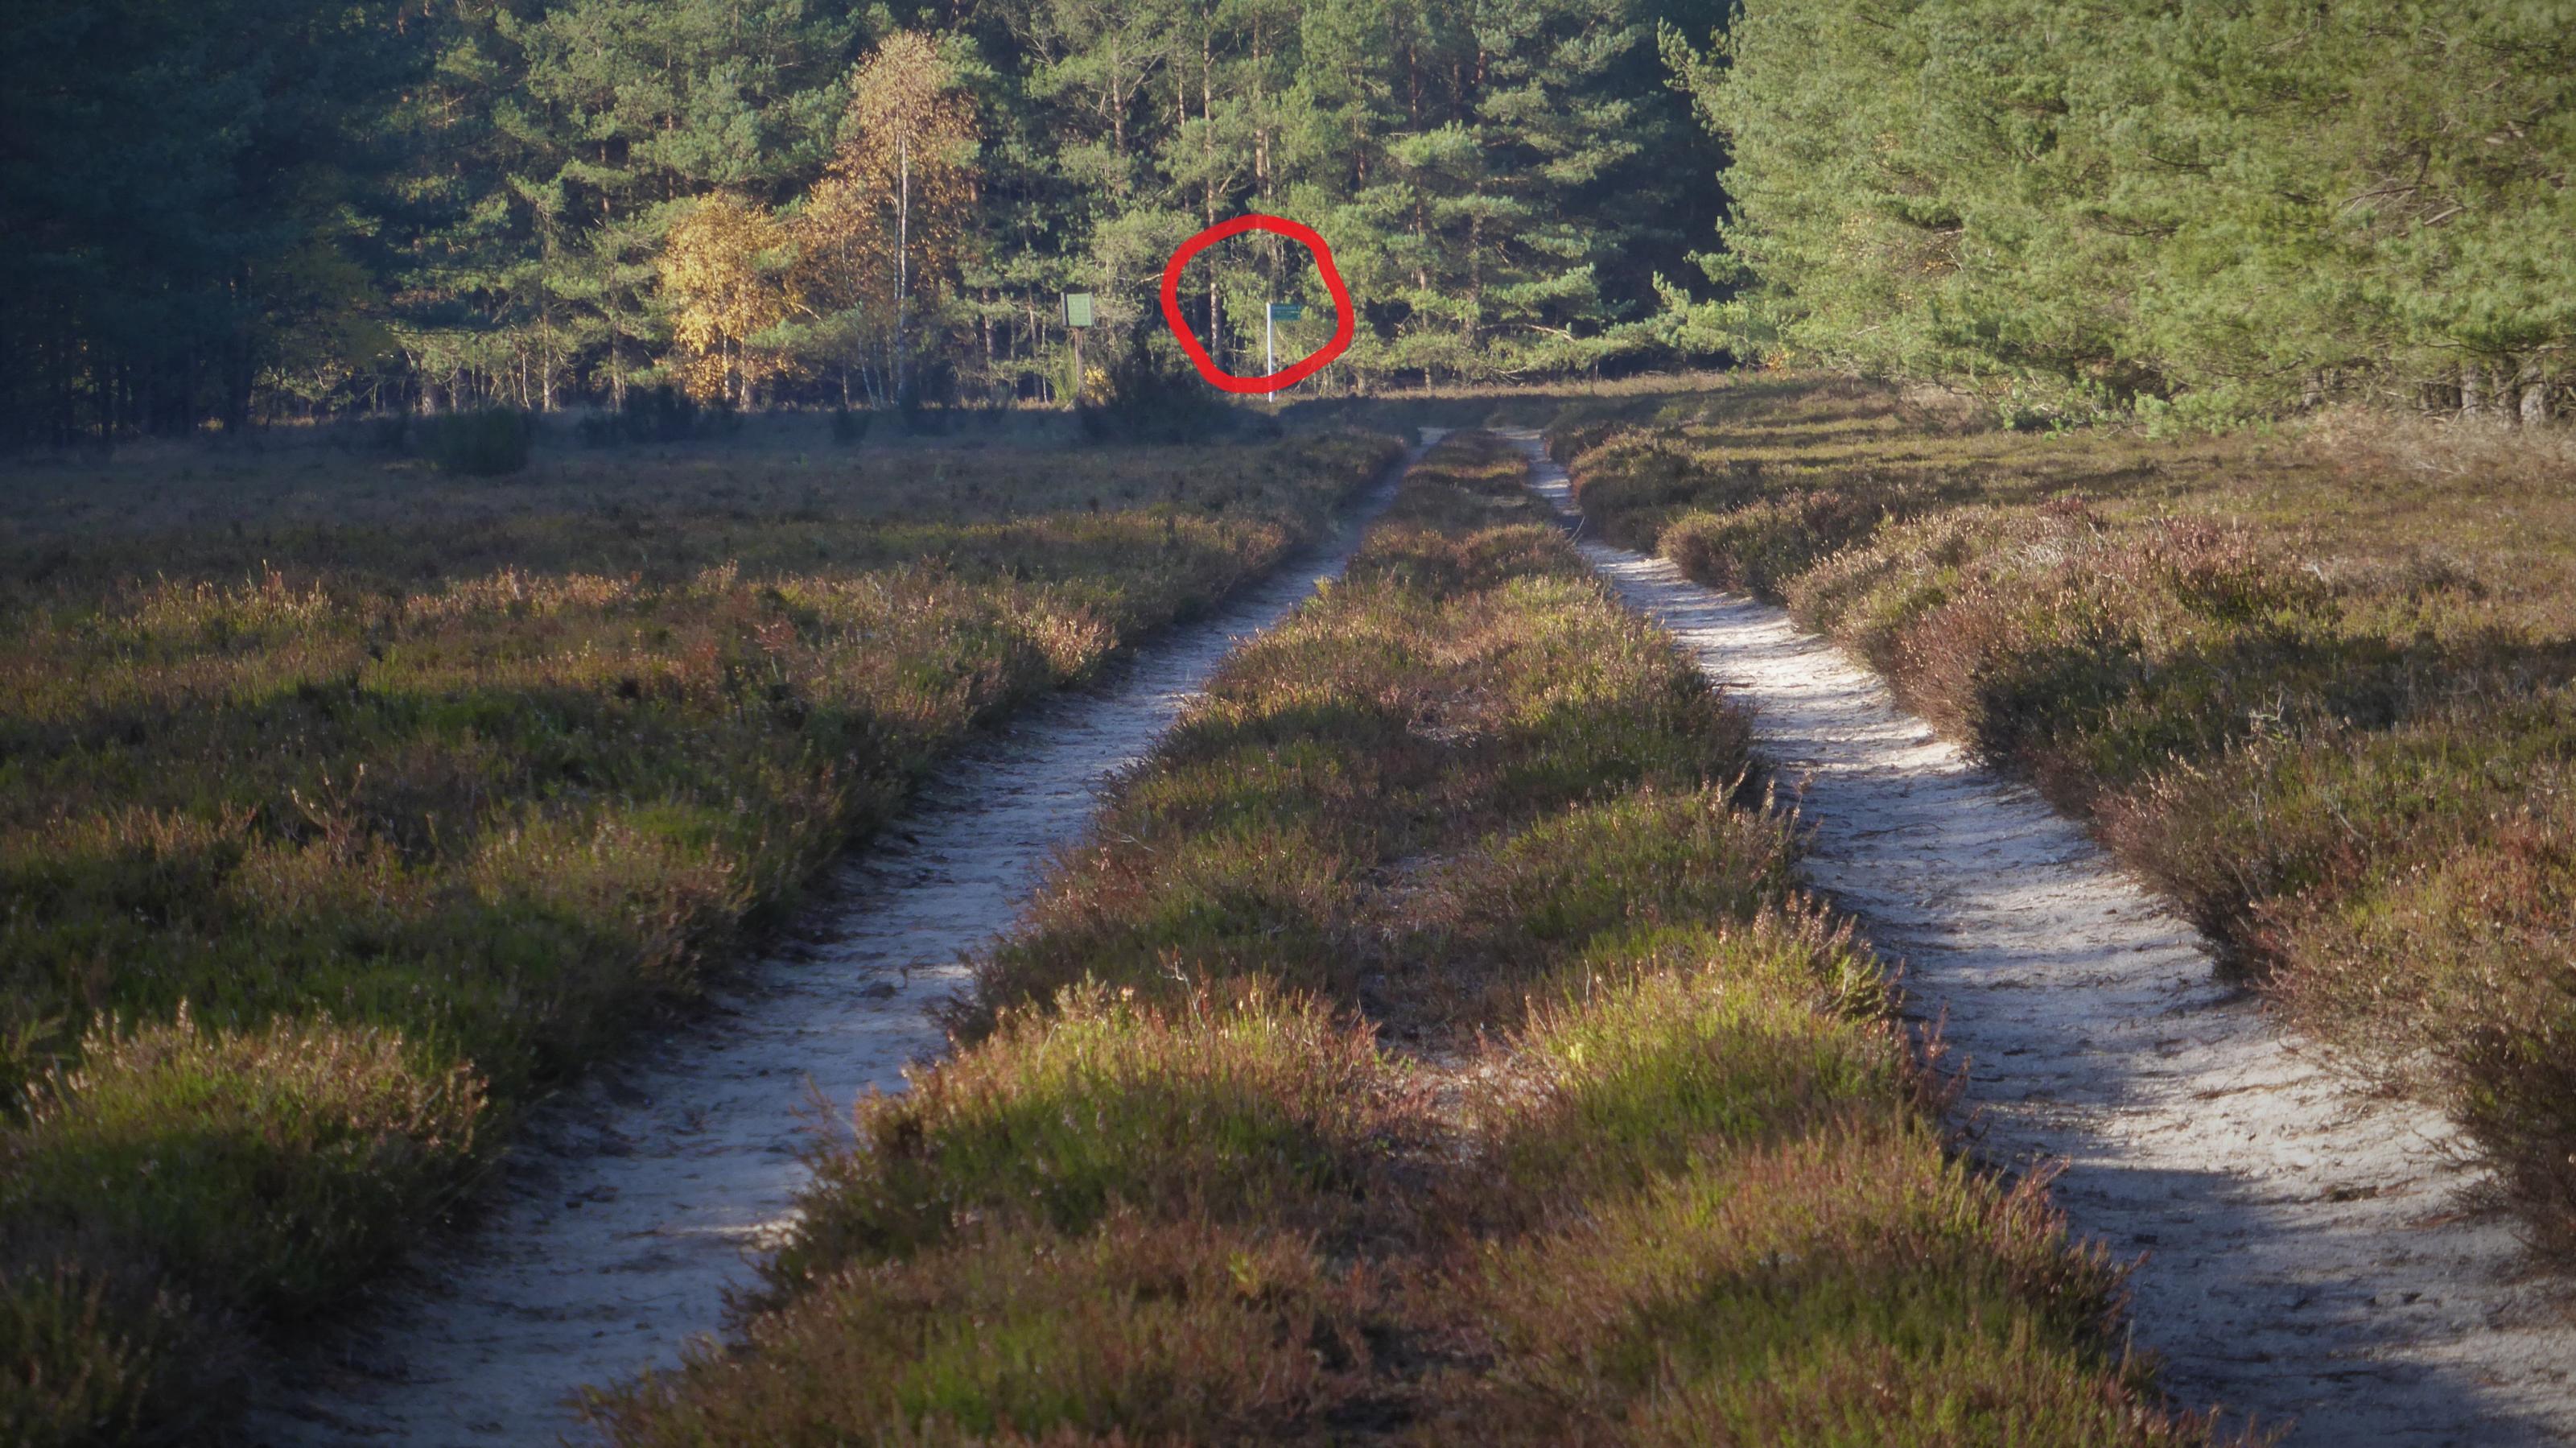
[1077,320]
[1278,312]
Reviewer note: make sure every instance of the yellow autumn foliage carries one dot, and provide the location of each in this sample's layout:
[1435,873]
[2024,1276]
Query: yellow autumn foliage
[881,236]
[728,271]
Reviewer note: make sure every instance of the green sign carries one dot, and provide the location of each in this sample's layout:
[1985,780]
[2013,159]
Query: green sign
[1287,311]
[1077,309]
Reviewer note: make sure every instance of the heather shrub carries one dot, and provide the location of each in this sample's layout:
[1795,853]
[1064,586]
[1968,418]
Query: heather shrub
[1222,909]
[1135,1331]
[1660,1045]
[485,443]
[268,1167]
[2461,975]
[656,414]
[1628,863]
[1760,547]
[1746,1286]
[1061,1116]
[93,1350]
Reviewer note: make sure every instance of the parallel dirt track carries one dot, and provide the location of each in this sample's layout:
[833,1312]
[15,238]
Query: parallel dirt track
[2308,1255]
[633,1205]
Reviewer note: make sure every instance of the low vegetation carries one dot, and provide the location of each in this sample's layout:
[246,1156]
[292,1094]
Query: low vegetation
[2315,686]
[1432,1043]
[344,805]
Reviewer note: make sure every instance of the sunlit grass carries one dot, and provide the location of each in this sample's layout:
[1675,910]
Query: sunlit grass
[1132,1331]
[1845,1287]
[1657,1046]
[1061,1117]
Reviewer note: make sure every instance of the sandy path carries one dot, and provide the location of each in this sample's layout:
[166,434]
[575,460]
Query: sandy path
[2305,1253]
[632,1206]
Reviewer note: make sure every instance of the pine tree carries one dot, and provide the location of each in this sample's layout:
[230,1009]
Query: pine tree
[2233,208]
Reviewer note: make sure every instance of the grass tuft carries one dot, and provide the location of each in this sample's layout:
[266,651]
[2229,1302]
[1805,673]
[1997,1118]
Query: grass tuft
[1131,1332]
[1661,1045]
[1732,1300]
[265,1168]
[1062,1116]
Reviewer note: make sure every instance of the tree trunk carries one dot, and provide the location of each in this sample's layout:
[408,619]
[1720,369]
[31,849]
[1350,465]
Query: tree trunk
[1118,114]
[1476,272]
[237,387]
[2473,391]
[1207,159]
[546,332]
[902,264]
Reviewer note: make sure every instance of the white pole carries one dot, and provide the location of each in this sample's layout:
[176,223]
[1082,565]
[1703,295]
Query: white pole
[1269,358]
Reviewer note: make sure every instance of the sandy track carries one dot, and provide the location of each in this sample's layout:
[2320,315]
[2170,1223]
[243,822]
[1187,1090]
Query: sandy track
[2306,1253]
[633,1205]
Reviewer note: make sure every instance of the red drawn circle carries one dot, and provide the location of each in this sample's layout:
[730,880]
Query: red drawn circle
[1292,374]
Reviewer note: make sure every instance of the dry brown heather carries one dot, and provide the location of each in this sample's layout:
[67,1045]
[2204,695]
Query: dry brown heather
[342,805]
[2314,684]
[1431,1045]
